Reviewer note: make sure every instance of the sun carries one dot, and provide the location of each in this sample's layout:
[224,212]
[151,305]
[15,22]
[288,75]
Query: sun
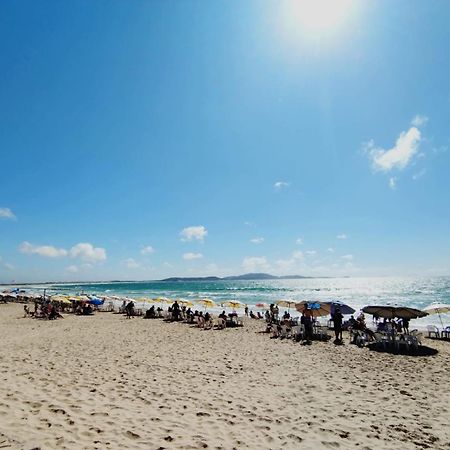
[316,17]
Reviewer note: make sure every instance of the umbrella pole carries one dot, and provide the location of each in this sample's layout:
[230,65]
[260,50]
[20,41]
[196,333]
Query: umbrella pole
[440,318]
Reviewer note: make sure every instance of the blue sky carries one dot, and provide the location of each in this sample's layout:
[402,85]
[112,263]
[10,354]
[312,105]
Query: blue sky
[141,140]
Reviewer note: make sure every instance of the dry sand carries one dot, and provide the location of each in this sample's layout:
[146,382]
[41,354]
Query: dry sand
[108,382]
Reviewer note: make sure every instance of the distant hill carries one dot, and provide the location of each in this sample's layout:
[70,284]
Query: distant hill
[246,276]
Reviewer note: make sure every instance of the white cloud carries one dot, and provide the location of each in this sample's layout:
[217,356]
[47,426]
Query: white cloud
[419,174]
[392,182]
[297,255]
[347,257]
[147,250]
[311,253]
[399,156]
[330,249]
[72,269]
[130,263]
[419,120]
[6,213]
[299,241]
[47,251]
[280,185]
[255,264]
[258,240]
[342,236]
[87,252]
[191,256]
[194,233]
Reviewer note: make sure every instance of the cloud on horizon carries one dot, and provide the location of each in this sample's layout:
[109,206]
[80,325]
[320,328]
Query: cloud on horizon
[258,240]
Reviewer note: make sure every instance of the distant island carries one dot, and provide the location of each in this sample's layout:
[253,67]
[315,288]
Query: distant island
[246,276]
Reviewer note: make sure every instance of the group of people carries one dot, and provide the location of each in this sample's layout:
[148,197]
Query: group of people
[43,309]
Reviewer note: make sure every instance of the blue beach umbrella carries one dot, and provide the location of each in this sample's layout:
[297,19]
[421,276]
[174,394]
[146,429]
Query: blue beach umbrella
[96,301]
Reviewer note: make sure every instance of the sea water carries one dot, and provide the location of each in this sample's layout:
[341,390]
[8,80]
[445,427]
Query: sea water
[356,292]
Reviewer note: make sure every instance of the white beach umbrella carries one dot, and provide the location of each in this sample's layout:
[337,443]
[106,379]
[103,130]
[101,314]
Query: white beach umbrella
[438,308]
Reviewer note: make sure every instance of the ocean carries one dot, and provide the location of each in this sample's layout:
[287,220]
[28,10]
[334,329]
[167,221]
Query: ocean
[356,292]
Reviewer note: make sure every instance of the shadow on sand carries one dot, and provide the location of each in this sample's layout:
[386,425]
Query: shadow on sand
[423,350]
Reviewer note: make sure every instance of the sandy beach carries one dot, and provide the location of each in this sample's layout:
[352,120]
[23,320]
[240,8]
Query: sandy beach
[106,382]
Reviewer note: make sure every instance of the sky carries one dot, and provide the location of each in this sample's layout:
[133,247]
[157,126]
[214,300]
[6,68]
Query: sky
[147,139]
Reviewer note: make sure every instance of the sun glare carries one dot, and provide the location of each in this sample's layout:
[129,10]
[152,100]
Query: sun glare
[316,17]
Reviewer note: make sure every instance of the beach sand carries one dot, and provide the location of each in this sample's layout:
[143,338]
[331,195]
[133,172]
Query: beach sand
[108,382]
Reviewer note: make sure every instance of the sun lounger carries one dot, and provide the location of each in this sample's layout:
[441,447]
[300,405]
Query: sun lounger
[433,330]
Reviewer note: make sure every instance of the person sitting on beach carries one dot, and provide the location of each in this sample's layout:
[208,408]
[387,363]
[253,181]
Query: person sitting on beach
[159,311]
[175,311]
[267,316]
[286,316]
[200,320]
[259,315]
[150,313]
[223,315]
[26,311]
[208,321]
[252,315]
[130,309]
[87,310]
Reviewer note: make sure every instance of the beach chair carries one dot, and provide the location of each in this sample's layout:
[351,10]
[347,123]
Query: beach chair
[296,332]
[401,341]
[445,333]
[415,339]
[433,330]
[381,340]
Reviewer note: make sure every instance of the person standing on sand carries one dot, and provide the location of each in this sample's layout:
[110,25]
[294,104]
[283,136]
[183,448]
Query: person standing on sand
[307,324]
[337,320]
[246,310]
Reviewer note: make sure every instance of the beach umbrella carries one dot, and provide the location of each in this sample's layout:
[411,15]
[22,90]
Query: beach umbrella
[233,304]
[317,308]
[61,299]
[161,300]
[391,311]
[345,309]
[286,303]
[184,302]
[144,300]
[96,301]
[438,308]
[206,303]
